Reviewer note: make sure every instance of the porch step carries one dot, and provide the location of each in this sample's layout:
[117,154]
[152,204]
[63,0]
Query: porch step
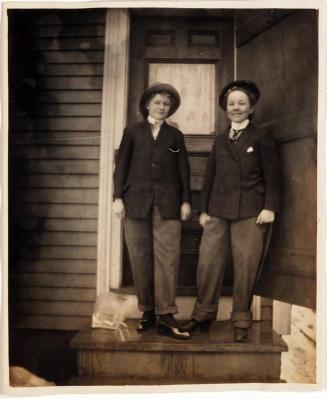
[125,357]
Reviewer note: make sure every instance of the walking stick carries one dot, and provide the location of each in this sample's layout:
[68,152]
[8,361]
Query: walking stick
[267,240]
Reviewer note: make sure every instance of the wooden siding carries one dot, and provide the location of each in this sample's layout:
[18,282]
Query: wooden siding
[56,73]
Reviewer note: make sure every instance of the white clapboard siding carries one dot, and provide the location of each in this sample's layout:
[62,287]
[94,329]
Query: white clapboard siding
[58,210]
[58,224]
[62,166]
[68,43]
[44,69]
[71,266]
[58,252]
[64,110]
[55,280]
[55,148]
[49,31]
[80,56]
[56,181]
[60,308]
[70,82]
[63,20]
[54,294]
[57,138]
[57,196]
[58,123]
[56,152]
[62,238]
[52,322]
[68,96]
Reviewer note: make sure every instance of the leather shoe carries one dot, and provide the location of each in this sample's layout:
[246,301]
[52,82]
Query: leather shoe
[193,324]
[240,334]
[168,326]
[147,321]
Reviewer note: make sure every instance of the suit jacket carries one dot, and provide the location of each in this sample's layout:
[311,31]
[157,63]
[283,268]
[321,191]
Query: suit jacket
[149,170]
[241,179]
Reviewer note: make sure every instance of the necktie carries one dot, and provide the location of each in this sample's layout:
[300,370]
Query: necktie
[236,134]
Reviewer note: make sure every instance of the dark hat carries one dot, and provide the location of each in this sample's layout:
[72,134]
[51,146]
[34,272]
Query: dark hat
[247,86]
[159,88]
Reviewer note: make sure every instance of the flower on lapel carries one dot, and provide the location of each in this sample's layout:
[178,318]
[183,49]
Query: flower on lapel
[250,149]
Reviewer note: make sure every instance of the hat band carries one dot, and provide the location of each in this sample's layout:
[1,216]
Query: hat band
[232,89]
[237,88]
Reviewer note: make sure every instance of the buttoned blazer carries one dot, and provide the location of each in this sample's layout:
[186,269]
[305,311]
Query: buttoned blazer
[241,179]
[150,170]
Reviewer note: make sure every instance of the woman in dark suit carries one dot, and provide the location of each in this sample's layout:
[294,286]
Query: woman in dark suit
[239,198]
[152,189]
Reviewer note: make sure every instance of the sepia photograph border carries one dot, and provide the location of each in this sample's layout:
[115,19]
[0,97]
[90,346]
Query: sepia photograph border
[177,390]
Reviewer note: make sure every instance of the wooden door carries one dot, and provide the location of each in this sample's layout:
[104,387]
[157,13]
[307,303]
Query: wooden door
[196,56]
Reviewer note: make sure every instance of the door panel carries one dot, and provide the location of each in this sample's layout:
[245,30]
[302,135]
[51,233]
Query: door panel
[196,56]
[156,40]
[197,88]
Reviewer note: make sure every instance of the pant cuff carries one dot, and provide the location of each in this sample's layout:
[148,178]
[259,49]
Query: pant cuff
[241,319]
[166,310]
[145,308]
[203,312]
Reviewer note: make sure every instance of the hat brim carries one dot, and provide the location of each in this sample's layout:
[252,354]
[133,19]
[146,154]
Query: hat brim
[159,88]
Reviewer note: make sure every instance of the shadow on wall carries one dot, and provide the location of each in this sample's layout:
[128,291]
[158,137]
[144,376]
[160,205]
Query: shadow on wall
[44,353]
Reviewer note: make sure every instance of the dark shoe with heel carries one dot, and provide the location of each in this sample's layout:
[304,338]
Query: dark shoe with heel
[167,325]
[240,334]
[193,325]
[147,321]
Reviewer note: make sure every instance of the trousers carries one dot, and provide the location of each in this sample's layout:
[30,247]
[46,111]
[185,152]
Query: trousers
[154,249]
[240,241]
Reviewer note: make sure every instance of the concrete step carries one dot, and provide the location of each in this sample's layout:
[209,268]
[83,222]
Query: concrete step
[107,357]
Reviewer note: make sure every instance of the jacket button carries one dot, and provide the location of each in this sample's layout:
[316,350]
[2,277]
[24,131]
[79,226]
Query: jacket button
[221,190]
[153,164]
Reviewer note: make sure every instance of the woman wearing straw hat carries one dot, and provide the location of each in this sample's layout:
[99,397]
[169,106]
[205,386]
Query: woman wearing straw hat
[239,198]
[152,194]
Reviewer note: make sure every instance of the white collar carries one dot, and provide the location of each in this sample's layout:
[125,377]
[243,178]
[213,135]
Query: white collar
[154,121]
[240,126]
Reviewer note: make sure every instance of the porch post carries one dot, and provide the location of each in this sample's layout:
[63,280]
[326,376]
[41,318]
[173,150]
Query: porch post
[114,110]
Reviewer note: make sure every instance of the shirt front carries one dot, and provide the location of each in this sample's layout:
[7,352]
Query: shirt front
[155,126]
[237,129]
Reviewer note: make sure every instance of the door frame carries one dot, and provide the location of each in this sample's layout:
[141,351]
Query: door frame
[113,121]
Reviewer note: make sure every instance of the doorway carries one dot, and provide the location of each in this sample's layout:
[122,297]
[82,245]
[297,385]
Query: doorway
[196,56]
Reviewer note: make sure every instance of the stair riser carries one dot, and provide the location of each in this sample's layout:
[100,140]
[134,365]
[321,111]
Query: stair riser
[222,367]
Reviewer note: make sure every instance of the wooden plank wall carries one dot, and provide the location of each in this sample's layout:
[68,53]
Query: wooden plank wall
[56,72]
[283,61]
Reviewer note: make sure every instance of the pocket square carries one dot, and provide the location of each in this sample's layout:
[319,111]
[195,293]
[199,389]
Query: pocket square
[174,149]
[250,149]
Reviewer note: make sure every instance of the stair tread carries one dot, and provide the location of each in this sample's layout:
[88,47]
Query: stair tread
[105,380]
[218,339]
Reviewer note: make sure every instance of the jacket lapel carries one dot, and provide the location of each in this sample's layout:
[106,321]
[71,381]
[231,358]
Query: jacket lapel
[164,130]
[244,139]
[229,145]
[146,130]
